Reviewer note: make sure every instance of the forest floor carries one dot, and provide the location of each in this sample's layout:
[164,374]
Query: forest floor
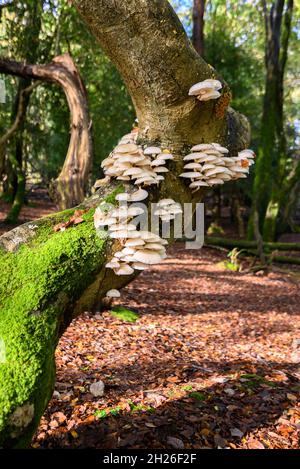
[213,361]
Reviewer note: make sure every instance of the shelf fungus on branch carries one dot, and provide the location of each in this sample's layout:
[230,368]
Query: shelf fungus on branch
[207,165]
[167,209]
[206,90]
[131,162]
[139,249]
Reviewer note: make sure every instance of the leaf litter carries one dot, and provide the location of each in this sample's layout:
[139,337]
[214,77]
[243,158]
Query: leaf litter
[212,360]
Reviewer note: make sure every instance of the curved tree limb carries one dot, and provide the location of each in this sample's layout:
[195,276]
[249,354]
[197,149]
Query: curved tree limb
[71,185]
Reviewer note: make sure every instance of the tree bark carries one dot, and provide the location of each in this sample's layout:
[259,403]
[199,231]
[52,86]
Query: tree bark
[198,26]
[71,186]
[52,277]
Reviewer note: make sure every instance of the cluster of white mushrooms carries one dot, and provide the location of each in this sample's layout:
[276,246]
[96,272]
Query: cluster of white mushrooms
[167,209]
[140,249]
[129,161]
[206,90]
[207,165]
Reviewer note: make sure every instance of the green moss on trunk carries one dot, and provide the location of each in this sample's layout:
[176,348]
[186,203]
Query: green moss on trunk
[44,277]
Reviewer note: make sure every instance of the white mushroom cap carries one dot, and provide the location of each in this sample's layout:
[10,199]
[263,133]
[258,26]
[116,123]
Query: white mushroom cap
[161,211]
[247,153]
[123,197]
[207,158]
[153,246]
[105,222]
[122,226]
[152,151]
[190,175]
[138,195]
[206,167]
[238,169]
[213,181]
[163,202]
[158,162]
[132,235]
[147,257]
[113,294]
[214,152]
[135,242]
[123,178]
[227,160]
[175,209]
[202,147]
[193,166]
[125,269]
[119,165]
[198,184]
[128,251]
[112,171]
[206,85]
[165,156]
[121,234]
[133,211]
[144,180]
[126,148]
[161,169]
[209,95]
[113,264]
[118,254]
[220,148]
[133,171]
[213,171]
[107,162]
[194,156]
[225,176]
[150,237]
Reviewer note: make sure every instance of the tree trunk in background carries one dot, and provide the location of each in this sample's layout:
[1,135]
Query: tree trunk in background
[16,176]
[198,26]
[57,275]
[271,162]
[70,187]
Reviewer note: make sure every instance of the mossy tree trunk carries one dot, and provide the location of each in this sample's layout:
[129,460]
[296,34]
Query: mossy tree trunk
[50,277]
[70,188]
[272,154]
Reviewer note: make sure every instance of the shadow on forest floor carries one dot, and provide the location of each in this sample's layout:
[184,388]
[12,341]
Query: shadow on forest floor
[219,415]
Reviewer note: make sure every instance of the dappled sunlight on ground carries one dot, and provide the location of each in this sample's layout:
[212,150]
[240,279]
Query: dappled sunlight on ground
[212,361]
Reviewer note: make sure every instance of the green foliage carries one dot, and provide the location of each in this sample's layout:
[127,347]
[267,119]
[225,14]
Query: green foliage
[228,266]
[47,125]
[198,396]
[124,314]
[100,414]
[214,228]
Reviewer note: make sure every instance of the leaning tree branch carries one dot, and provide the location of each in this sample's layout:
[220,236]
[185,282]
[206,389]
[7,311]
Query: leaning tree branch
[71,185]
